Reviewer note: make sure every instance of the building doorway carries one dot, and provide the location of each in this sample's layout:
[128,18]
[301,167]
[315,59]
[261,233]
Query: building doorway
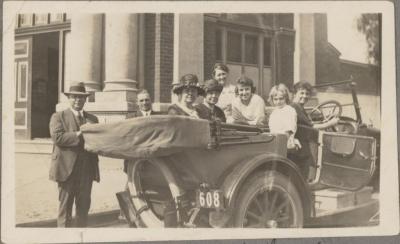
[45,81]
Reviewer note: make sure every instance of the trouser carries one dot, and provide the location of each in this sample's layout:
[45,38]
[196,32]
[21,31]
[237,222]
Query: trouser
[77,188]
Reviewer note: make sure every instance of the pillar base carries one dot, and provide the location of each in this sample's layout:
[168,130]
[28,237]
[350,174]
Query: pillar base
[111,106]
[120,85]
[103,107]
[108,106]
[92,86]
[161,107]
[115,96]
[62,106]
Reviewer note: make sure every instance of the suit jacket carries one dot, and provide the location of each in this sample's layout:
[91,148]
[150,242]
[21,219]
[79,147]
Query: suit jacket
[139,113]
[67,145]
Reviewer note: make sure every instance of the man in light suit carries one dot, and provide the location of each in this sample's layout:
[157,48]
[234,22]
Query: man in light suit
[145,109]
[73,168]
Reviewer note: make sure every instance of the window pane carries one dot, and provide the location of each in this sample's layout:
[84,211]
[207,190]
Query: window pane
[251,54]
[19,118]
[41,19]
[267,51]
[56,18]
[218,44]
[234,46]
[26,20]
[23,81]
[21,48]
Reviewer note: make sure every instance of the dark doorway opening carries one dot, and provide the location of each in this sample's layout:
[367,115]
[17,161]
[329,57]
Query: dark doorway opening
[45,63]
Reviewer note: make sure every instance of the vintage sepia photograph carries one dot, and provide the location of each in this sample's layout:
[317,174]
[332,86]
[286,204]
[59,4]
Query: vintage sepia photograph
[193,117]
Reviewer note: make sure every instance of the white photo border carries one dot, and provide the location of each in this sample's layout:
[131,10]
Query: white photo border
[389,195]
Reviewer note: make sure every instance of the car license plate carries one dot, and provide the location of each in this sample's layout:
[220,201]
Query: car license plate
[210,199]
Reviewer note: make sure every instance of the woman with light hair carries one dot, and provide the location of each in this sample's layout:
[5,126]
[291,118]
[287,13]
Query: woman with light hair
[283,118]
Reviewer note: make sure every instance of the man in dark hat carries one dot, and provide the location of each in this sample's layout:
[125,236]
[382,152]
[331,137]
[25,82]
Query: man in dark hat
[73,168]
[208,108]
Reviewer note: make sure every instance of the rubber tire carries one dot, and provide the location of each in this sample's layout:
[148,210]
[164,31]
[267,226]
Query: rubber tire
[147,218]
[262,180]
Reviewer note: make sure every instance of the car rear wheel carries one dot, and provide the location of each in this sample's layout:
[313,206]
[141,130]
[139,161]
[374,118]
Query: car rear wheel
[268,200]
[152,188]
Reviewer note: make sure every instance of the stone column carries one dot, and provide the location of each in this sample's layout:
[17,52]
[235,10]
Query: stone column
[188,46]
[84,49]
[305,48]
[121,52]
[86,44]
[121,67]
[296,56]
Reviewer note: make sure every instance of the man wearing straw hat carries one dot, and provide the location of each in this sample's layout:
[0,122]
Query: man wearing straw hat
[73,168]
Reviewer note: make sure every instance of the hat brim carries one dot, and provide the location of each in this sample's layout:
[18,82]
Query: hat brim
[214,88]
[178,89]
[77,93]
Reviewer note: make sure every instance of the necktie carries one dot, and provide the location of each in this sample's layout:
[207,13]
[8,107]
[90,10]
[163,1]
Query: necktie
[81,119]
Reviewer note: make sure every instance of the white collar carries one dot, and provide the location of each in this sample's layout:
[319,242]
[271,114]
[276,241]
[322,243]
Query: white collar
[146,113]
[191,112]
[76,113]
[207,105]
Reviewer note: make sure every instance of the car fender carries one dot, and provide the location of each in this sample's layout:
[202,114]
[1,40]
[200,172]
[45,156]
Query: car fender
[232,183]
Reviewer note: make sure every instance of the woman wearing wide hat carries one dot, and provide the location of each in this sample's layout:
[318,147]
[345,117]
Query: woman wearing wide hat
[187,90]
[208,109]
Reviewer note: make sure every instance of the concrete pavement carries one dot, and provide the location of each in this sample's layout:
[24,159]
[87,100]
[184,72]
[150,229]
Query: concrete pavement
[36,197]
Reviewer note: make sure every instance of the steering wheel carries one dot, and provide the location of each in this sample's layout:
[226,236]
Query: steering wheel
[327,110]
[346,125]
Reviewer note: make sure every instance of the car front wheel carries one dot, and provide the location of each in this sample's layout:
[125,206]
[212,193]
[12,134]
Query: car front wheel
[268,200]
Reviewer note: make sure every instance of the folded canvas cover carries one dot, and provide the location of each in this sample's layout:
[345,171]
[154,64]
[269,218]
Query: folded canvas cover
[141,137]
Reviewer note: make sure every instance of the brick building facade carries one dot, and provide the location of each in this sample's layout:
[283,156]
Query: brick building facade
[116,55]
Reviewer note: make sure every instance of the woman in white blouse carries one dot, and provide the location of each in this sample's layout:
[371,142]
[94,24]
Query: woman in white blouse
[247,107]
[220,73]
[284,117]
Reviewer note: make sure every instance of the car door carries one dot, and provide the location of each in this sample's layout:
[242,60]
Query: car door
[345,161]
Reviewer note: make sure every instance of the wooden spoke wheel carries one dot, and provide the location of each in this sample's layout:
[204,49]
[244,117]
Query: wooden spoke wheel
[152,186]
[268,200]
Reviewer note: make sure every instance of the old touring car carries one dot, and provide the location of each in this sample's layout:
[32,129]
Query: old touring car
[211,174]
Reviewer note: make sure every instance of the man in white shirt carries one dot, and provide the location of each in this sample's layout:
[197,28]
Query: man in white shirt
[145,109]
[144,104]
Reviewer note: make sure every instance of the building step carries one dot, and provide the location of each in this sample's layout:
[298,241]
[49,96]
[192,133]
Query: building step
[334,199]
[35,146]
